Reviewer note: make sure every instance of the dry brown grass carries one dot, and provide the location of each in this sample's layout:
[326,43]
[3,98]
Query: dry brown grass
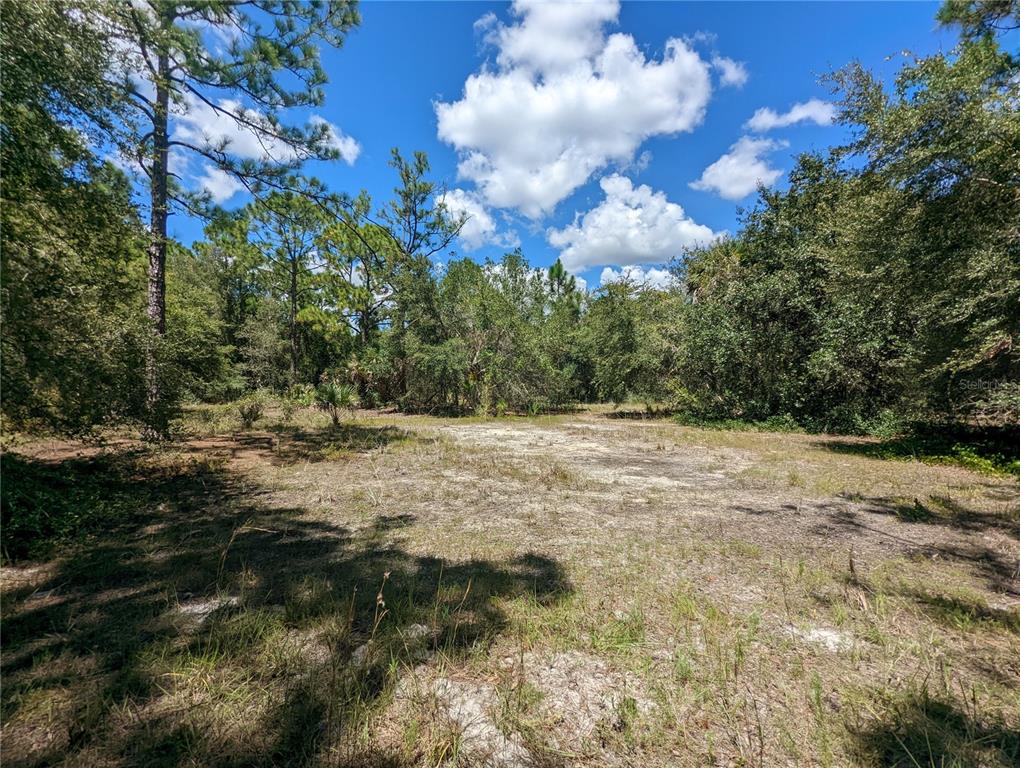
[566,590]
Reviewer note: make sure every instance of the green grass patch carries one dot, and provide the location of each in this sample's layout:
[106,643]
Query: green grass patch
[620,634]
[46,504]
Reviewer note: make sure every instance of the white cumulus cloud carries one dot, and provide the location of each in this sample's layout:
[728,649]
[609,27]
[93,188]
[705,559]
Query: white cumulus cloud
[632,225]
[738,172]
[480,227]
[565,100]
[200,125]
[220,185]
[651,277]
[811,111]
[229,126]
[552,36]
[348,148]
[731,72]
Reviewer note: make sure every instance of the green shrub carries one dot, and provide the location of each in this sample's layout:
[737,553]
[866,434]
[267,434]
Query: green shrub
[302,394]
[887,424]
[43,505]
[781,423]
[335,398]
[250,409]
[297,397]
[991,451]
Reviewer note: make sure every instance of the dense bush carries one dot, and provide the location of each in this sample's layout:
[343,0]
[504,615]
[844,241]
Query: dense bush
[886,280]
[43,504]
[497,343]
[251,408]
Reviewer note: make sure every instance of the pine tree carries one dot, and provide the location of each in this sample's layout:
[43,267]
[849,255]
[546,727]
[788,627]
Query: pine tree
[174,55]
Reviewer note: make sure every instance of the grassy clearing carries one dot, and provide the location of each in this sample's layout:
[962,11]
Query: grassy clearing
[565,590]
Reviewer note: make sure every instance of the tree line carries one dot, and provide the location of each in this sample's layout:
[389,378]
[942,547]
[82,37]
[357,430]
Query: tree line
[883,286]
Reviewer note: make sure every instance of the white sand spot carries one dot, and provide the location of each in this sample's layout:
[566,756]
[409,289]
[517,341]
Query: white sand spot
[582,694]
[360,655]
[830,639]
[202,609]
[618,462]
[468,706]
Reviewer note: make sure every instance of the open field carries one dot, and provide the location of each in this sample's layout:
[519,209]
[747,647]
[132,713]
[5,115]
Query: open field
[556,591]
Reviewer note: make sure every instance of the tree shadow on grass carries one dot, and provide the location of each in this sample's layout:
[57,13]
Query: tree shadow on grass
[964,613]
[988,449]
[916,730]
[342,441]
[202,624]
[943,511]
[834,521]
[287,445]
[645,414]
[996,568]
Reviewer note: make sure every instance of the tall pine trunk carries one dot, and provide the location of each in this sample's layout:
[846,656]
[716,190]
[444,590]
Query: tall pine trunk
[293,319]
[156,412]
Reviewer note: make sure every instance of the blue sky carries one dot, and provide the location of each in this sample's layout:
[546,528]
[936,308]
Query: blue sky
[588,125]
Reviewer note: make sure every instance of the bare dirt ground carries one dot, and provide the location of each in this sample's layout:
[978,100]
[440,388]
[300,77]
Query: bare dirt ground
[568,590]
